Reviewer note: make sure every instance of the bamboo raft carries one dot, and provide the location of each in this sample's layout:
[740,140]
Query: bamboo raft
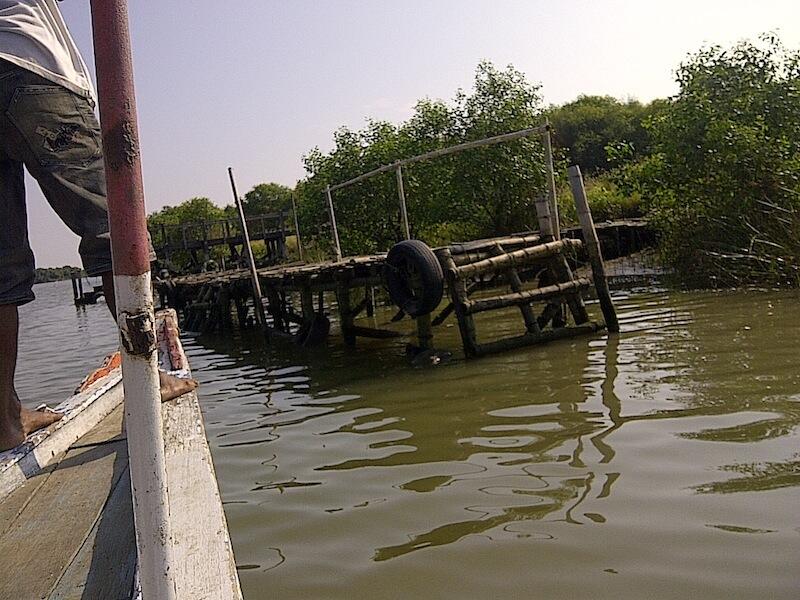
[66,512]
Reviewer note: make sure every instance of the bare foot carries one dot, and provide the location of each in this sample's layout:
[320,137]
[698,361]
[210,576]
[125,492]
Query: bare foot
[21,423]
[172,387]
[34,420]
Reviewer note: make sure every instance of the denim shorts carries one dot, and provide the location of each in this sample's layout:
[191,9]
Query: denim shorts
[54,134]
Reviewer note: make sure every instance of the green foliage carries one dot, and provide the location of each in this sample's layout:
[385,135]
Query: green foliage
[484,191]
[599,132]
[45,275]
[267,198]
[724,183]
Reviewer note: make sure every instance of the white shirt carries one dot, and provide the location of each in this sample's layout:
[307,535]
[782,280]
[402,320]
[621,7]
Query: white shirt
[33,35]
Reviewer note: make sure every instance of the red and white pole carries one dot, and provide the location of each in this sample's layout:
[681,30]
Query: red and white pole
[130,249]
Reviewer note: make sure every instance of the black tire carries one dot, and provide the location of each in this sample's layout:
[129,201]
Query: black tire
[414,278]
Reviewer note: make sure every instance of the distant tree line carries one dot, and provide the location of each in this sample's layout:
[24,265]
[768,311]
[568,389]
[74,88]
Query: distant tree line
[48,274]
[716,168]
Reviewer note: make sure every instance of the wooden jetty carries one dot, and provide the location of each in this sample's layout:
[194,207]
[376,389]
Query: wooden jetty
[66,512]
[536,268]
[196,239]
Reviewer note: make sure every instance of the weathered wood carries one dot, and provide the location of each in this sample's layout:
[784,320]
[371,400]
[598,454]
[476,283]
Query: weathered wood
[531,339]
[457,288]
[545,218]
[551,183]
[401,194]
[345,314]
[515,283]
[593,249]
[259,306]
[557,290]
[204,564]
[69,503]
[424,332]
[517,258]
[486,245]
[105,564]
[562,272]
[372,332]
[297,228]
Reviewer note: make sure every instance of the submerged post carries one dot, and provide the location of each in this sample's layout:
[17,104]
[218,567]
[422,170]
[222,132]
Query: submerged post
[593,249]
[131,259]
[334,232]
[551,181]
[402,196]
[258,305]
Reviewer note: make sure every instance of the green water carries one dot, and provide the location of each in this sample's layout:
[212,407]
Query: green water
[660,463]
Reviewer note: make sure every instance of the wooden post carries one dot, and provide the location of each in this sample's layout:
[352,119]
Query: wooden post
[402,196]
[458,295]
[345,313]
[297,228]
[551,182]
[593,248]
[544,217]
[334,231]
[258,303]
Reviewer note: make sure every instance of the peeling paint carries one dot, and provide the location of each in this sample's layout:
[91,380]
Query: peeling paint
[138,334]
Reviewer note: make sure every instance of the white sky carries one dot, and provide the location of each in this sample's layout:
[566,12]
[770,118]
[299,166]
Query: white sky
[255,84]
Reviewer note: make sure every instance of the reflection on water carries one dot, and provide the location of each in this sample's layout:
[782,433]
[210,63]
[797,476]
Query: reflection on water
[660,463]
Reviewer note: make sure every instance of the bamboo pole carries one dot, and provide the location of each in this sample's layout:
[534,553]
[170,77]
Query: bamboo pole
[402,196]
[297,228]
[258,303]
[134,299]
[556,290]
[517,258]
[551,182]
[334,231]
[593,248]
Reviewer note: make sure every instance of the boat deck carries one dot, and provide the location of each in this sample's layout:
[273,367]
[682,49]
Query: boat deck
[66,510]
[67,533]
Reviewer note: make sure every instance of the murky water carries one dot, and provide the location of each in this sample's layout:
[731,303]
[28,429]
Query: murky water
[660,463]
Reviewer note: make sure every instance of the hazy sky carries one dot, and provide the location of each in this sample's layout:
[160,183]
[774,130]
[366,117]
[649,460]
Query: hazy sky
[255,84]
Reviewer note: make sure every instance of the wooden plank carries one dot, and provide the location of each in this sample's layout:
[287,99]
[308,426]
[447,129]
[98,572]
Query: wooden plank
[204,564]
[53,525]
[106,562]
[112,428]
[82,413]
[14,503]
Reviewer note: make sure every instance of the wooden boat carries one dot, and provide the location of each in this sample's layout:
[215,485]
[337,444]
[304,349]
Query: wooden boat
[66,516]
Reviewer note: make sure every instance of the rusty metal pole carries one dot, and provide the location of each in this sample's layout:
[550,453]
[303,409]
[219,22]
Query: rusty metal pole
[131,258]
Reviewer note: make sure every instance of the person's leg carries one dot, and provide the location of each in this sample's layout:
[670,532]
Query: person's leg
[16,283]
[11,434]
